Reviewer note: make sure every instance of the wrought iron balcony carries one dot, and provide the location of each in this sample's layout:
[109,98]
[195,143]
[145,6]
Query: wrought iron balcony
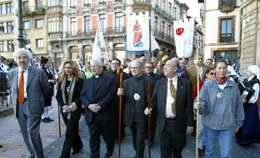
[109,31]
[34,11]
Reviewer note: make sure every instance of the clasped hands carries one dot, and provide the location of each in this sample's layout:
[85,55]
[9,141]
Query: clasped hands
[68,108]
[120,92]
[94,107]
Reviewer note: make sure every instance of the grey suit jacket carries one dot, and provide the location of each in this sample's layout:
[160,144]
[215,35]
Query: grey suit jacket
[37,89]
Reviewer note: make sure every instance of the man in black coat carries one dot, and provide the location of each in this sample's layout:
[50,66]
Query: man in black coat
[174,112]
[135,93]
[115,66]
[149,73]
[96,95]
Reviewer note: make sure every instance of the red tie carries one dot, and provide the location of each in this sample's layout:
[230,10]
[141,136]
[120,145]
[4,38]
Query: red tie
[21,89]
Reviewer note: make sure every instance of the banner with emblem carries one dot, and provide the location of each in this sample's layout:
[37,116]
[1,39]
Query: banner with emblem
[137,39]
[183,34]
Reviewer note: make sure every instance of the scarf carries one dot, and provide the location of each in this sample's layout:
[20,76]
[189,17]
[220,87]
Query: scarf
[71,90]
[222,82]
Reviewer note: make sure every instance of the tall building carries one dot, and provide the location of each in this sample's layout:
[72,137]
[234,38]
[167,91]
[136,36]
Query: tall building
[66,29]
[221,26]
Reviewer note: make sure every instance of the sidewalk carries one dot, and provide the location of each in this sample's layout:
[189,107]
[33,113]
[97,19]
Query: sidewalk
[14,146]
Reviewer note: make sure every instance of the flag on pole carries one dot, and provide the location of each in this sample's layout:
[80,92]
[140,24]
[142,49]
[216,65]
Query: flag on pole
[99,43]
[183,34]
[154,44]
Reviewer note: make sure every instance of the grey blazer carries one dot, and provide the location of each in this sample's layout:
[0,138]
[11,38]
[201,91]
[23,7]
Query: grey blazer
[37,89]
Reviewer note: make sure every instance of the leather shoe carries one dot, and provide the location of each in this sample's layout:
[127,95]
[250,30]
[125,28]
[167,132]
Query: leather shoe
[45,120]
[76,151]
[49,119]
[108,154]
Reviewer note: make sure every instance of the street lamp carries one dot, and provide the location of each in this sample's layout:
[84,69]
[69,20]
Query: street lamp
[20,25]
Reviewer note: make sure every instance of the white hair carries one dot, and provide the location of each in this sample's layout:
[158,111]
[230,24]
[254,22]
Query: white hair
[22,50]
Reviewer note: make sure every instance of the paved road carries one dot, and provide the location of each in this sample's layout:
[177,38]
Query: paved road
[14,146]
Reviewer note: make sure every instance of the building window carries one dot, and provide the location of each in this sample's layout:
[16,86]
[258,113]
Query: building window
[2,46]
[175,13]
[10,27]
[2,11]
[53,2]
[25,5]
[156,26]
[102,19]
[72,3]
[227,2]
[88,28]
[163,29]
[39,43]
[39,23]
[53,24]
[2,28]
[226,30]
[73,27]
[119,22]
[10,46]
[26,25]
[170,30]
[9,8]
[38,3]
[170,9]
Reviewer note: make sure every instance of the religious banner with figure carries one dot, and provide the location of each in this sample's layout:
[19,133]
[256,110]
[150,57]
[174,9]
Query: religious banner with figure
[138,33]
[183,34]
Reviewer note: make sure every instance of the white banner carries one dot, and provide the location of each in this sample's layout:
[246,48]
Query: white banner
[183,34]
[138,32]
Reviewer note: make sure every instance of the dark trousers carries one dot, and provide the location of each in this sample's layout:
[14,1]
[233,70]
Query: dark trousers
[138,138]
[96,129]
[153,121]
[72,138]
[171,145]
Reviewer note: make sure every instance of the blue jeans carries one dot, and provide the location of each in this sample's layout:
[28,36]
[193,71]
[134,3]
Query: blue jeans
[225,142]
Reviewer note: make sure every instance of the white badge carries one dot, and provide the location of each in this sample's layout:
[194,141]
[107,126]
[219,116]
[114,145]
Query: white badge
[136,96]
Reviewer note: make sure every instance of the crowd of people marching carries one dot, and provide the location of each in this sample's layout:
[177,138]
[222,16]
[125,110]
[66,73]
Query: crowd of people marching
[150,96]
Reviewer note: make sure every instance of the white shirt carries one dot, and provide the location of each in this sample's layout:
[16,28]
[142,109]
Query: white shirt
[169,99]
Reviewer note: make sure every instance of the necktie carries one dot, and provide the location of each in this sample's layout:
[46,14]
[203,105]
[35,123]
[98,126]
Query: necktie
[173,94]
[21,89]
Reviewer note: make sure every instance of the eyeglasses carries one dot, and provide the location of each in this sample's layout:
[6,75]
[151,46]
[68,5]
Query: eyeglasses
[149,67]
[135,68]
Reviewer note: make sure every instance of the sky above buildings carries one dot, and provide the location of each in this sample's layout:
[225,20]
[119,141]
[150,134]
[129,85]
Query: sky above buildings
[194,8]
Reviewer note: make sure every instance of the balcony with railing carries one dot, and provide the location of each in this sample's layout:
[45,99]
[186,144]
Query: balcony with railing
[34,11]
[163,36]
[109,31]
[54,9]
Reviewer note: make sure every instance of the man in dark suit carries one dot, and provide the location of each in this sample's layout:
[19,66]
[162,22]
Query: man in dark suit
[115,65]
[96,95]
[174,107]
[29,104]
[149,73]
[135,94]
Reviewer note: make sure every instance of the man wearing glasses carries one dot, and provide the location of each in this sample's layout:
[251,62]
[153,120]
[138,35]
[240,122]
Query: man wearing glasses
[135,93]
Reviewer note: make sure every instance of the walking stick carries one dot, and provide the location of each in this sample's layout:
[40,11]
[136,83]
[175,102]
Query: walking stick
[198,100]
[149,118]
[120,76]
[59,120]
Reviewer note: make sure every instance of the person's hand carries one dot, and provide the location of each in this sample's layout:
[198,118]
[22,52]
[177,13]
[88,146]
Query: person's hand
[148,111]
[94,107]
[120,92]
[236,129]
[74,106]
[66,108]
[244,101]
[197,105]
[189,129]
